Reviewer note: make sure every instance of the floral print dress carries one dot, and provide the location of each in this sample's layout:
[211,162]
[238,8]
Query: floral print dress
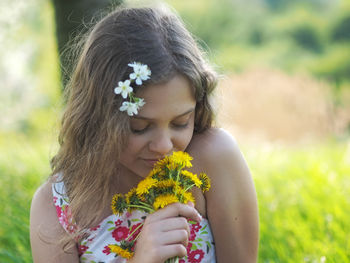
[94,248]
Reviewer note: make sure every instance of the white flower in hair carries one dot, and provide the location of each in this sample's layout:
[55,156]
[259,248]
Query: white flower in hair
[141,72]
[123,88]
[130,107]
[140,102]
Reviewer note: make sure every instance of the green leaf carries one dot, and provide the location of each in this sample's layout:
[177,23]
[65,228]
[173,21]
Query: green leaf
[208,244]
[204,232]
[192,222]
[194,247]
[199,239]
[200,244]
[110,222]
[204,227]
[111,228]
[135,220]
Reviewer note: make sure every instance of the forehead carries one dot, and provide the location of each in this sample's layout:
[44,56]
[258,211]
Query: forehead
[170,98]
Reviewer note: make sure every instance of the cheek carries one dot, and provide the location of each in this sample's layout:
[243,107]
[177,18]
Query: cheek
[133,147]
[184,139]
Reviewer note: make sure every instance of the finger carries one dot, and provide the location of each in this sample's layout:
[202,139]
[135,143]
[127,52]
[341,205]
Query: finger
[179,236]
[176,209]
[173,223]
[175,250]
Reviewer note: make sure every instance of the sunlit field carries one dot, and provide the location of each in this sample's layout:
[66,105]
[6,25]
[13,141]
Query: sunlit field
[303,196]
[292,127]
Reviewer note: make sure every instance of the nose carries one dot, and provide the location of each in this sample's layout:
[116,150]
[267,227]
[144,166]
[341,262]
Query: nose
[161,143]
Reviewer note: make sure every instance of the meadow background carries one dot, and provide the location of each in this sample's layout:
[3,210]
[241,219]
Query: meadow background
[284,94]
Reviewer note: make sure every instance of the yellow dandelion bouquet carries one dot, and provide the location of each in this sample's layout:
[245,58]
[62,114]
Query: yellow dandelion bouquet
[167,183]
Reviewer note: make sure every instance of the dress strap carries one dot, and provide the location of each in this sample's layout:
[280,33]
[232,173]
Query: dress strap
[61,203]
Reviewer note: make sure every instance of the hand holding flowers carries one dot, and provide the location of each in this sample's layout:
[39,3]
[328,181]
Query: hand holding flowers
[166,185]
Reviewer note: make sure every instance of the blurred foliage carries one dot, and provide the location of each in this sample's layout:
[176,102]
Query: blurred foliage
[334,64]
[341,29]
[306,36]
[241,34]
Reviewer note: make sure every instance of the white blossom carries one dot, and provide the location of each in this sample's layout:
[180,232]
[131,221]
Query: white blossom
[130,107]
[141,72]
[140,102]
[123,88]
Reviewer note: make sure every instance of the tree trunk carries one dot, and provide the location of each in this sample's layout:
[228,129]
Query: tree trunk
[74,17]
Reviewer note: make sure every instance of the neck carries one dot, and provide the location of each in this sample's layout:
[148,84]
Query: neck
[125,180]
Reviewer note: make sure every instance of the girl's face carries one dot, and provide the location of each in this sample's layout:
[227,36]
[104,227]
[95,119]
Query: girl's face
[163,125]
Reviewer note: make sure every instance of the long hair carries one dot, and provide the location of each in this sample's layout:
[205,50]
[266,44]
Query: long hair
[94,131]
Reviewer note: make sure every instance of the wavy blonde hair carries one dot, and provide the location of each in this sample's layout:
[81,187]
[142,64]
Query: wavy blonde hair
[94,131]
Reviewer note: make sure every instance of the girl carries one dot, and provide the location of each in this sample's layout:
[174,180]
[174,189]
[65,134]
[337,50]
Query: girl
[140,91]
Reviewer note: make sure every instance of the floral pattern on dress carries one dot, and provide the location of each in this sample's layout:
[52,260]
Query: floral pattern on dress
[94,248]
[64,214]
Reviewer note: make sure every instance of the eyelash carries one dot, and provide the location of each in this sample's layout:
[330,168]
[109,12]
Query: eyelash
[176,126]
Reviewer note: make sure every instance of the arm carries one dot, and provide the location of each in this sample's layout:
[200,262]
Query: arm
[46,231]
[231,202]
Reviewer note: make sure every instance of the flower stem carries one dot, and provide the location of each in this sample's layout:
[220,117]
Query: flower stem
[147,205]
[130,235]
[177,179]
[143,207]
[172,260]
[189,187]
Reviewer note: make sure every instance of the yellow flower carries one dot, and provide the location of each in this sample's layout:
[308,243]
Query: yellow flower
[144,186]
[172,166]
[205,182]
[182,158]
[164,200]
[188,197]
[155,172]
[131,199]
[162,163]
[166,183]
[193,177]
[121,252]
[119,204]
[179,190]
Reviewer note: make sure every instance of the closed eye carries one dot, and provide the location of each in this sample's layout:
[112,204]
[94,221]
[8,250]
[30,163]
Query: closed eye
[181,126]
[140,131]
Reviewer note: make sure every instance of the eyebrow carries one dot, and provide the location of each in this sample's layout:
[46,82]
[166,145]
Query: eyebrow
[178,116]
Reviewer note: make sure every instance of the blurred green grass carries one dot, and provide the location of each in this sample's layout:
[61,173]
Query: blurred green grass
[23,167]
[303,201]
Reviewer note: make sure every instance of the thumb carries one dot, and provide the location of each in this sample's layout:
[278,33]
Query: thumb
[190,204]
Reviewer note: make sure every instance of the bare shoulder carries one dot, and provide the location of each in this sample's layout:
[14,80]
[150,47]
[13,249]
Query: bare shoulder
[45,229]
[207,147]
[216,152]
[231,203]
[213,137]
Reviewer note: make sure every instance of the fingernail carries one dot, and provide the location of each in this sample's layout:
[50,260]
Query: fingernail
[190,204]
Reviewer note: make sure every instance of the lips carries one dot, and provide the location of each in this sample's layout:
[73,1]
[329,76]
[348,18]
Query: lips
[150,162]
